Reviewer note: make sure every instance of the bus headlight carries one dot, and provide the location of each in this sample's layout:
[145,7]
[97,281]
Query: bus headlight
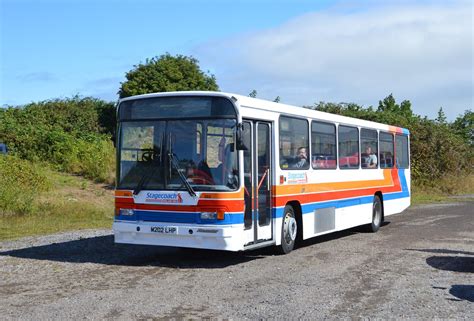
[208,215]
[217,215]
[127,212]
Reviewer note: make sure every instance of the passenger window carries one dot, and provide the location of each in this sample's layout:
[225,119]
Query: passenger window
[348,147]
[294,143]
[401,150]
[386,150]
[323,145]
[369,148]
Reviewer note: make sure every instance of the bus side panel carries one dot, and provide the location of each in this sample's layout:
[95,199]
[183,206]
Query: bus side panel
[322,217]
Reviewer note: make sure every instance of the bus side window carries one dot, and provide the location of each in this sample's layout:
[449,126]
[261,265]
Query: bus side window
[323,145]
[369,145]
[386,150]
[348,147]
[294,143]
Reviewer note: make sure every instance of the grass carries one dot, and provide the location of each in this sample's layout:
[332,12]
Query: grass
[443,190]
[72,203]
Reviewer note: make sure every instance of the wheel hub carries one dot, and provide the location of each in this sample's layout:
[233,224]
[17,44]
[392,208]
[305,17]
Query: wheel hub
[290,229]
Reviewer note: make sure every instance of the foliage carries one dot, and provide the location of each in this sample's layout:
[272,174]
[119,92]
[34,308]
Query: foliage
[167,73]
[253,94]
[72,134]
[20,182]
[438,149]
[464,126]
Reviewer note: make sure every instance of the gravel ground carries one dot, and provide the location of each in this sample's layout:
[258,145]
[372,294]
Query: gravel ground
[419,265]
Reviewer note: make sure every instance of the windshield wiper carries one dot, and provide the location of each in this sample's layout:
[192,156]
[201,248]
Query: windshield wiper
[144,180]
[175,165]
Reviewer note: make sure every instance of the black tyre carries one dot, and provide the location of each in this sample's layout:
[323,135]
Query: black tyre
[377,215]
[289,230]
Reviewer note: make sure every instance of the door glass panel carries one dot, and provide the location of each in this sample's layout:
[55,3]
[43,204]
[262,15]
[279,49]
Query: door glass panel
[263,165]
[247,139]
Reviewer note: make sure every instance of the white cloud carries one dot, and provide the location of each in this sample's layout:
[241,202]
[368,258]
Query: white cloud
[418,52]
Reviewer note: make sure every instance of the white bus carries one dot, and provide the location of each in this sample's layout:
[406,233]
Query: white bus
[221,171]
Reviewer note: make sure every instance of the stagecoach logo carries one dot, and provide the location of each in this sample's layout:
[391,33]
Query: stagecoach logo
[297,178]
[164,198]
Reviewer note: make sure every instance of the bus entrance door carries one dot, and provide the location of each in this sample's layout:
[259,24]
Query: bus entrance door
[257,180]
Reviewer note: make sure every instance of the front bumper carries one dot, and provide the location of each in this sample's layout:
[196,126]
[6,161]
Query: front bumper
[216,237]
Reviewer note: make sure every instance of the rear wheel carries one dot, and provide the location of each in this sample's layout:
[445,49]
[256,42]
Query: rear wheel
[376,215]
[289,230]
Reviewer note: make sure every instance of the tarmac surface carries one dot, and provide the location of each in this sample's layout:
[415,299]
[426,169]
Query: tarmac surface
[419,265]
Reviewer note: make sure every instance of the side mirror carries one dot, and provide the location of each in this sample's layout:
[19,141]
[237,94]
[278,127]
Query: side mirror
[239,138]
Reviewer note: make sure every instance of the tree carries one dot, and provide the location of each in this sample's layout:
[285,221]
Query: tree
[441,119]
[388,104]
[167,73]
[464,126]
[253,93]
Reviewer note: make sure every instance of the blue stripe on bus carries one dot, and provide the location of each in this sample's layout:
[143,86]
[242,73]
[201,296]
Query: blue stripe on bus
[405,131]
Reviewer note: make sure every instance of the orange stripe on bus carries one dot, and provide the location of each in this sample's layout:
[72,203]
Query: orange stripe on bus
[330,187]
[304,193]
[236,205]
[234,195]
[303,198]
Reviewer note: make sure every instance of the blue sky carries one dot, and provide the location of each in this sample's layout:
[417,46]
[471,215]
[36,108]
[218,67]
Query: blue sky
[304,51]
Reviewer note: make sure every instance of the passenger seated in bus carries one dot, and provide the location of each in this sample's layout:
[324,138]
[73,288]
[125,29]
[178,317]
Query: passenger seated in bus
[369,160]
[301,159]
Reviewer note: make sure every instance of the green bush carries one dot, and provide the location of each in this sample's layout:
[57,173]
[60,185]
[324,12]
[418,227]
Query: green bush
[97,159]
[74,135]
[21,182]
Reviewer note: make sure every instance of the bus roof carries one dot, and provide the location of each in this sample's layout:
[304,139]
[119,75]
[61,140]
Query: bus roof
[266,105]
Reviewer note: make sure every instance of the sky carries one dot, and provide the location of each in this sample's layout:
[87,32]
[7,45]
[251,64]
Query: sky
[304,51]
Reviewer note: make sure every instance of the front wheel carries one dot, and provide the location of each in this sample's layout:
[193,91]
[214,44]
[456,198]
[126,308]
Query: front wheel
[376,214]
[289,230]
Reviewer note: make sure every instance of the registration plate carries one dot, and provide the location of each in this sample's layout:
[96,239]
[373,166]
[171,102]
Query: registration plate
[164,229]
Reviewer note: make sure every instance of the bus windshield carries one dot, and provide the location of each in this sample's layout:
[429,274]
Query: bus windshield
[176,154]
